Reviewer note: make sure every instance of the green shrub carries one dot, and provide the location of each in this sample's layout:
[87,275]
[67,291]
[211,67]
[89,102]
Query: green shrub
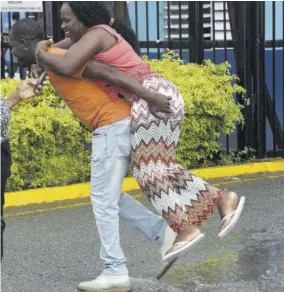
[210,109]
[47,142]
[49,145]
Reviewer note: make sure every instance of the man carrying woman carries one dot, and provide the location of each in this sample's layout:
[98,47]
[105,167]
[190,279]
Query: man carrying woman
[110,123]
[183,199]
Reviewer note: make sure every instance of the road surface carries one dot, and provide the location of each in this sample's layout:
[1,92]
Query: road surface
[52,248]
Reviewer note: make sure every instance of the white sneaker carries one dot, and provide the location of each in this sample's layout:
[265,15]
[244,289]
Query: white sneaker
[169,239]
[107,283]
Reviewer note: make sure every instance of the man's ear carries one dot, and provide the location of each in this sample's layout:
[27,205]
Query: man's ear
[24,44]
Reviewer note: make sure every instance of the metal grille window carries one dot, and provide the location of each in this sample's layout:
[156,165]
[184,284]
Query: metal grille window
[176,19]
[214,15]
[220,15]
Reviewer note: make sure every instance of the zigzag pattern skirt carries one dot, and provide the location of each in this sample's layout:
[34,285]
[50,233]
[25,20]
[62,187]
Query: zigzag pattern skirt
[178,195]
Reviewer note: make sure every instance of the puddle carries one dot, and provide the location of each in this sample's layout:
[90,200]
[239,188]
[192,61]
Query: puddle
[209,271]
[261,263]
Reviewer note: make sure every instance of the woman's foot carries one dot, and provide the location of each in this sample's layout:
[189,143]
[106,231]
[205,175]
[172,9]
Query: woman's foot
[185,239]
[230,208]
[187,234]
[227,205]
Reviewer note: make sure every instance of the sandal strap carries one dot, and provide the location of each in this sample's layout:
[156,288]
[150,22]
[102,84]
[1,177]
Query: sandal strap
[177,245]
[227,216]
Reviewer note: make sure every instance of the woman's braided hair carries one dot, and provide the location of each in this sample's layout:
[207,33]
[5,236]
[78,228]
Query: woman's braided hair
[92,13]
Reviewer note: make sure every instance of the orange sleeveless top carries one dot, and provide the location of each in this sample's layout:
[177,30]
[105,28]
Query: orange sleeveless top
[90,104]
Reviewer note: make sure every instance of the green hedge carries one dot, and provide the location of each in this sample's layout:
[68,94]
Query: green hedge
[49,145]
[210,107]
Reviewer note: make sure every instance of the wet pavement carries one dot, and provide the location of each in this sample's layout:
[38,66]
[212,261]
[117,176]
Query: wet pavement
[53,250]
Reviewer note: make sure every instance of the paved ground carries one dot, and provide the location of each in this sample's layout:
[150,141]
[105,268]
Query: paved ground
[52,250]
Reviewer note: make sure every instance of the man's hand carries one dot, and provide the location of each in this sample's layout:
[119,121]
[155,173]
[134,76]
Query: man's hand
[159,103]
[35,71]
[26,89]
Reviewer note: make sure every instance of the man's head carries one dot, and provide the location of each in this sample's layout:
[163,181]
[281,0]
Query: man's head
[23,38]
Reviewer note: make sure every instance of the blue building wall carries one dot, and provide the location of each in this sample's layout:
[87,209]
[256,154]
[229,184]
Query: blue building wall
[278,20]
[152,19]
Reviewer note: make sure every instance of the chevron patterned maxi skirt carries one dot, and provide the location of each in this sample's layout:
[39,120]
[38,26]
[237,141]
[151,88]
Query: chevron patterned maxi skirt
[178,195]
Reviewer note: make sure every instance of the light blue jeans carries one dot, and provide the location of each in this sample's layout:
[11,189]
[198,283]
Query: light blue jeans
[110,162]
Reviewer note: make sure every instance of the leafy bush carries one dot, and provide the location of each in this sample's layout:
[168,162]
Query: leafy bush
[47,142]
[223,157]
[49,145]
[210,109]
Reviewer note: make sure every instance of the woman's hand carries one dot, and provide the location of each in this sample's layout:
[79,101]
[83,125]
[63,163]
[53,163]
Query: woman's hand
[159,103]
[42,46]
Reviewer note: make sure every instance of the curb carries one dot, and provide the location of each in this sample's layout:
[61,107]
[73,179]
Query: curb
[82,190]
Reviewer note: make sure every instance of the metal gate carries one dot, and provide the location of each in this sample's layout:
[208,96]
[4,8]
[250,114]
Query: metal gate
[220,31]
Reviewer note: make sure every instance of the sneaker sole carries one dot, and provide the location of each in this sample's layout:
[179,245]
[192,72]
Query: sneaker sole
[118,290]
[112,290]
